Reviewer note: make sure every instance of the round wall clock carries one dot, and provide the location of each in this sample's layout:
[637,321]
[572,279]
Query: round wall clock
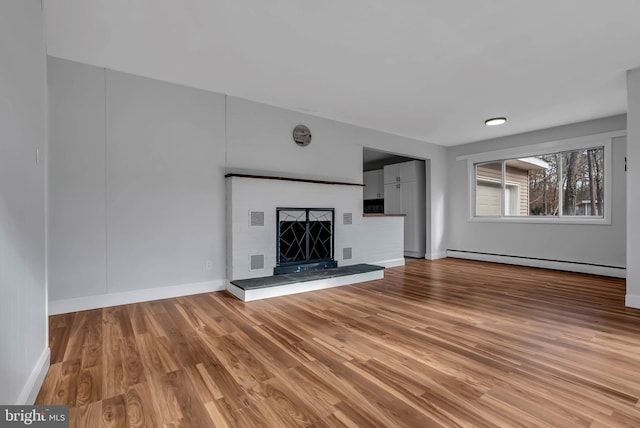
[301,135]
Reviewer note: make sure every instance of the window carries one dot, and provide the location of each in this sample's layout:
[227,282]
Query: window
[489,189]
[553,185]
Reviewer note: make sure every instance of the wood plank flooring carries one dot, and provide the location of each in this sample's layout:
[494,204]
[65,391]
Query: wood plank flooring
[436,343]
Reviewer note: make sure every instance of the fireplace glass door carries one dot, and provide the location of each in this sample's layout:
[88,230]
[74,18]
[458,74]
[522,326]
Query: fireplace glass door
[304,239]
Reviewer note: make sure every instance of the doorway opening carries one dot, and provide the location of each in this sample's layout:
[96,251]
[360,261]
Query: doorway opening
[396,184]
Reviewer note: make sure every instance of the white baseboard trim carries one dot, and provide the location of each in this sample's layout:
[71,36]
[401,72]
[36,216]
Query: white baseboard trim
[389,263]
[632,301]
[31,388]
[123,298]
[545,264]
[435,256]
[301,287]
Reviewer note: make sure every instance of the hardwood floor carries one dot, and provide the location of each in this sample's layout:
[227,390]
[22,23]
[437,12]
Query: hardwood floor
[436,343]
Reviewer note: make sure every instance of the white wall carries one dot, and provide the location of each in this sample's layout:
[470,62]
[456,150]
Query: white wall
[163,151]
[165,179]
[369,242]
[601,244]
[259,139]
[633,196]
[77,181]
[137,188]
[24,352]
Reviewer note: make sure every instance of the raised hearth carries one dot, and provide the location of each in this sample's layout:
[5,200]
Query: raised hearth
[300,282]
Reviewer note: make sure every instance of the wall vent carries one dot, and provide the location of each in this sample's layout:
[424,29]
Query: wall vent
[347,218]
[347,253]
[256,262]
[256,218]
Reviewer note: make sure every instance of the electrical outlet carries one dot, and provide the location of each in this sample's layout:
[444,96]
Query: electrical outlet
[208,265]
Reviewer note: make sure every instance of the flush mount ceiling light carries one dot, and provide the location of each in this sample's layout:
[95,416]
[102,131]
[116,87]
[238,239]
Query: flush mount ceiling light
[495,121]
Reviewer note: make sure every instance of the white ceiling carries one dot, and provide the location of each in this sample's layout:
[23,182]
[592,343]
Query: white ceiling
[427,69]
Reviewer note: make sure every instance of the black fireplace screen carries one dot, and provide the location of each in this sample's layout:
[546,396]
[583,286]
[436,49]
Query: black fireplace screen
[304,239]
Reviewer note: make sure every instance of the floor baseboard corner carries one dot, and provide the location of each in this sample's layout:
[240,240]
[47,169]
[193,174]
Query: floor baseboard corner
[34,382]
[632,301]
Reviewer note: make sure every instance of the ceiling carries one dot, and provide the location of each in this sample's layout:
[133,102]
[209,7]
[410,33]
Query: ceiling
[433,70]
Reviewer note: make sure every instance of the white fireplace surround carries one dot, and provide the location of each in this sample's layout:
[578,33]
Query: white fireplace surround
[374,240]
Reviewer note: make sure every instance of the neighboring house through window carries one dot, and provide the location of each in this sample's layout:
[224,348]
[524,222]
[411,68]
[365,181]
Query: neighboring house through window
[489,186]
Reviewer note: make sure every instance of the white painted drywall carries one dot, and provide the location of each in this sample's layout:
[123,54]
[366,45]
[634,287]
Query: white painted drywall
[77,184]
[259,140]
[633,197]
[165,184]
[602,244]
[136,186]
[369,242]
[24,356]
[166,150]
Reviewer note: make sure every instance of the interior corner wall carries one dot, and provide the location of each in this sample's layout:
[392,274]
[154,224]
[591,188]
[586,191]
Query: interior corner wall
[599,244]
[24,351]
[633,195]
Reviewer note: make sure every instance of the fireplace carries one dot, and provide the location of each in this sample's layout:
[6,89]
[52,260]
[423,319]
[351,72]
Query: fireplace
[304,239]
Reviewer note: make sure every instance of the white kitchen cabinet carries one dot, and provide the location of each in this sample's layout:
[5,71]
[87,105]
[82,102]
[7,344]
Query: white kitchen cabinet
[405,194]
[373,184]
[401,172]
[392,200]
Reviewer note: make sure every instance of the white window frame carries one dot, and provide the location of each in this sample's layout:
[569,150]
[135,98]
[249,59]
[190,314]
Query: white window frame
[515,202]
[549,147]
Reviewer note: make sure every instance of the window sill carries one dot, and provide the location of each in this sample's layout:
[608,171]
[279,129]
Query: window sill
[541,220]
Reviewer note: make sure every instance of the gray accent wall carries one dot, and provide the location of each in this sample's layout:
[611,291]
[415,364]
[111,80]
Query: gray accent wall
[23,294]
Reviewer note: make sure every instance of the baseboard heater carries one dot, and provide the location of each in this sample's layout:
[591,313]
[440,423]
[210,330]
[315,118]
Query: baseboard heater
[570,266]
